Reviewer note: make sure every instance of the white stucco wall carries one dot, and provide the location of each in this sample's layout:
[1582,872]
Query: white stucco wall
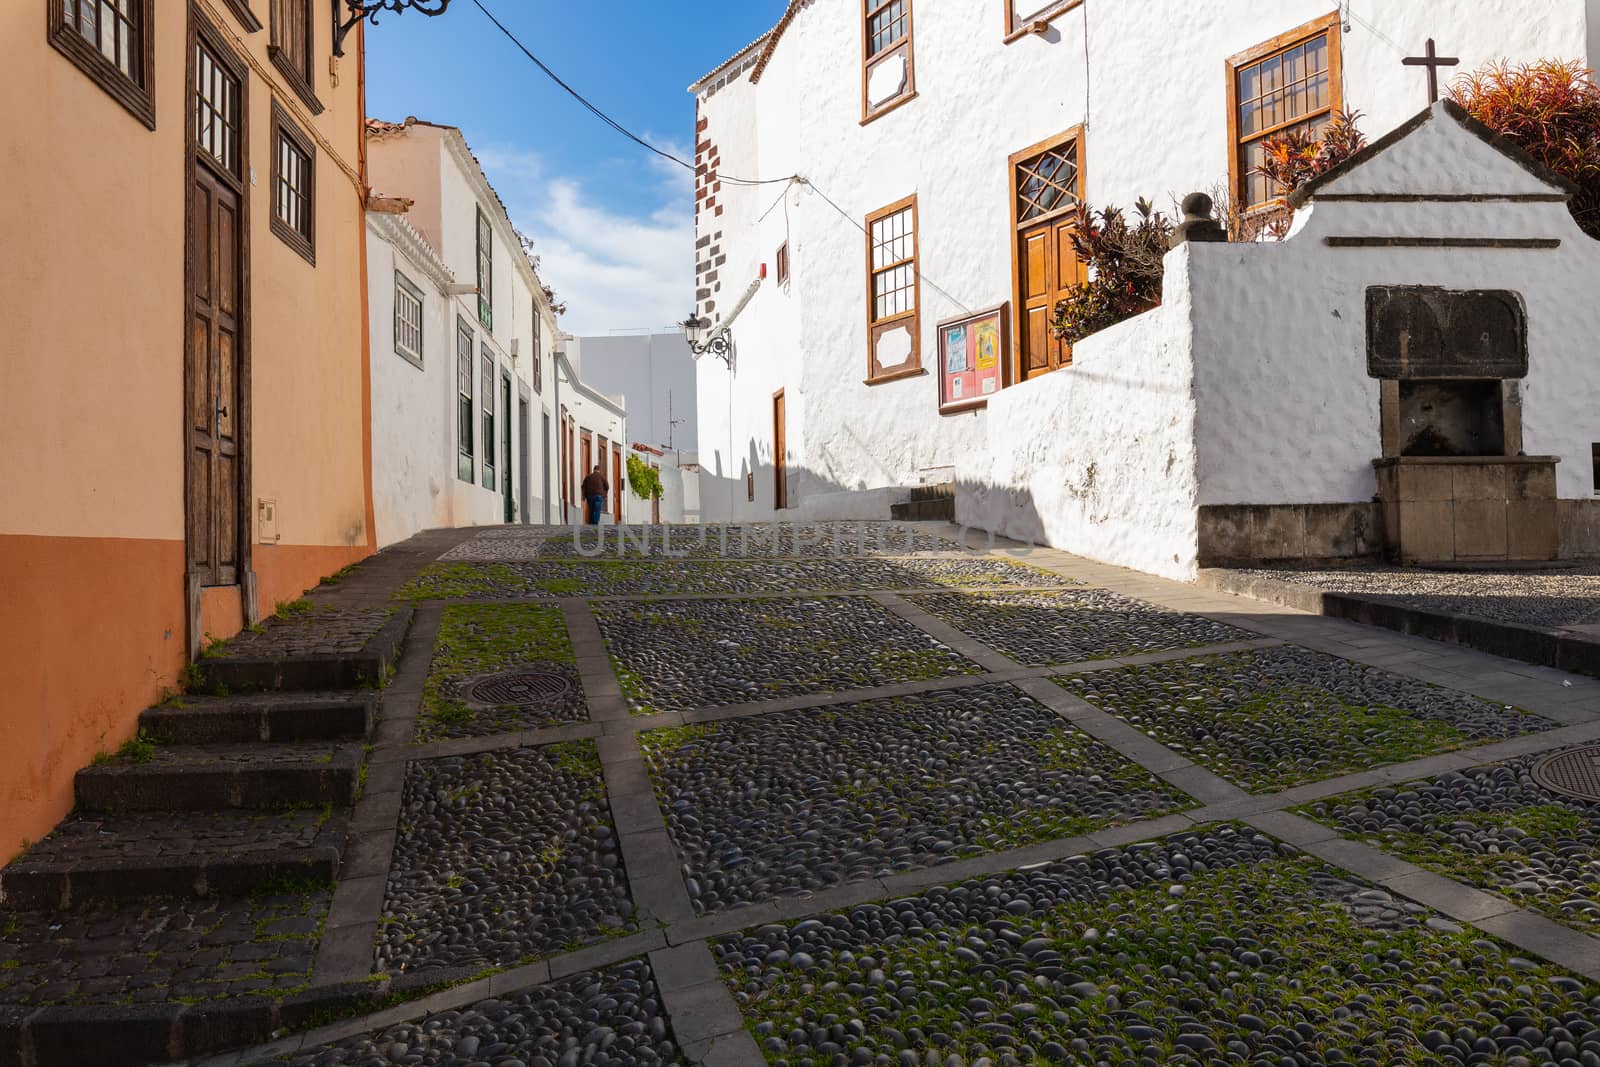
[1099,456]
[1153,129]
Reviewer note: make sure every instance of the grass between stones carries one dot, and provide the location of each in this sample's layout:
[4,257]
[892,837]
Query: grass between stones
[480,639]
[463,581]
[1277,717]
[1490,827]
[1264,958]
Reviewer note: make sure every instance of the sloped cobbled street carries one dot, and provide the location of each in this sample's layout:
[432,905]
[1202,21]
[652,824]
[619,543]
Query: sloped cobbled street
[918,805]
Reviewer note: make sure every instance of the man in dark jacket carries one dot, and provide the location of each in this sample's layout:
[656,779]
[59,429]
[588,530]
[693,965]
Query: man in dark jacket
[595,488]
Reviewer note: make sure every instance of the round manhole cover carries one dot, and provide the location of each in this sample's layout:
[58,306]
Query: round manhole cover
[1575,773]
[521,687]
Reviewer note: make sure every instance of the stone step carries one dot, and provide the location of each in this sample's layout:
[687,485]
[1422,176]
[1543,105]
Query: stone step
[215,777]
[943,510]
[276,717]
[939,491]
[320,648]
[97,858]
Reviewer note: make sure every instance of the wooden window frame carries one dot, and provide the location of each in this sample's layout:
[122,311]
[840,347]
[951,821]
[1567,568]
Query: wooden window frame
[136,95]
[538,354]
[1016,29]
[1328,24]
[241,11]
[782,263]
[486,412]
[284,129]
[485,263]
[301,81]
[409,288]
[868,60]
[1015,371]
[466,427]
[914,316]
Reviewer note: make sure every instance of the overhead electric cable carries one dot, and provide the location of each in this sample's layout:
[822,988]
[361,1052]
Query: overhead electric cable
[607,119]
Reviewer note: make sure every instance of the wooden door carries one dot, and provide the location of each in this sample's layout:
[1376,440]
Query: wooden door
[616,483]
[655,501]
[1046,184]
[216,391]
[505,450]
[587,467]
[780,452]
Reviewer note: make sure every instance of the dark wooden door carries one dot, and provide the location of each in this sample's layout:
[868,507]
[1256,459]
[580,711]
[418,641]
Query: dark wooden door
[616,483]
[505,449]
[1047,266]
[216,421]
[780,452]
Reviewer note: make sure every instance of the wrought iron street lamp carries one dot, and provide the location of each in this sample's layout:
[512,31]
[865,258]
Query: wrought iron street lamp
[347,13]
[702,340]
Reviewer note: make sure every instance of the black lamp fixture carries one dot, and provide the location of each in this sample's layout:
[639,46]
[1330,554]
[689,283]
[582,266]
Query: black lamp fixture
[702,340]
[347,13]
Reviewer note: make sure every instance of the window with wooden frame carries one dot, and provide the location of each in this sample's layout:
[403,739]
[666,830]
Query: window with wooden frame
[485,271]
[407,319]
[888,75]
[1031,16]
[893,322]
[486,402]
[1290,83]
[216,111]
[783,263]
[538,354]
[113,42]
[293,45]
[294,176]
[465,349]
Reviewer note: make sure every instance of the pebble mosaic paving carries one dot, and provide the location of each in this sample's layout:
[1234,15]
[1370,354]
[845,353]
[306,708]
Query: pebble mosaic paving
[1045,629]
[161,950]
[795,801]
[1218,946]
[611,1017]
[503,858]
[477,641]
[1276,717]
[684,654]
[515,581]
[1559,596]
[304,629]
[1493,827]
[755,541]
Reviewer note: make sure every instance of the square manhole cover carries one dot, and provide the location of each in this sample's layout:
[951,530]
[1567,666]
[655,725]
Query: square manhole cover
[521,688]
[1573,773]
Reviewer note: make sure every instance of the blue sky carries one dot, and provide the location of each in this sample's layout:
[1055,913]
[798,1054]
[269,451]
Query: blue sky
[613,224]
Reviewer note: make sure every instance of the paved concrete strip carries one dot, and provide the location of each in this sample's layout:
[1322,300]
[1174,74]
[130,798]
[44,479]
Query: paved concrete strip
[600,687]
[345,953]
[699,1005]
[946,634]
[1577,952]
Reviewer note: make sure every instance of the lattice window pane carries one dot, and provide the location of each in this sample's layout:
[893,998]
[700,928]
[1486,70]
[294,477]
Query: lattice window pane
[1291,91]
[407,318]
[894,273]
[216,111]
[464,347]
[886,26]
[1047,183]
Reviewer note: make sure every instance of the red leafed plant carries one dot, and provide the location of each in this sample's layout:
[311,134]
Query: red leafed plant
[1296,157]
[1124,261]
[1549,109]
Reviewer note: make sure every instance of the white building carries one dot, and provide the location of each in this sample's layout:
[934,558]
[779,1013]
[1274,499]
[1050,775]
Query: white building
[466,426]
[594,433]
[959,140]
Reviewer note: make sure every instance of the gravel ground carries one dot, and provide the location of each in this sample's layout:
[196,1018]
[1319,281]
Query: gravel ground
[479,641]
[1278,716]
[503,857]
[753,541]
[157,951]
[684,654]
[1493,827]
[549,579]
[1211,947]
[1558,597]
[1044,629]
[795,801]
[611,1017]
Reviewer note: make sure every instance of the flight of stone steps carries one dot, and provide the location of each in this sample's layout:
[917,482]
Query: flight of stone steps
[928,503]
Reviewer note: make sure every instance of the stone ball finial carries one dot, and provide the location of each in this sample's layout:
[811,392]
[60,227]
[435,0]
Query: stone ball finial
[1197,224]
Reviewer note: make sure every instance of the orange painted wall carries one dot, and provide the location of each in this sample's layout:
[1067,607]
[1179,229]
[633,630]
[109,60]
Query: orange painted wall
[92,612]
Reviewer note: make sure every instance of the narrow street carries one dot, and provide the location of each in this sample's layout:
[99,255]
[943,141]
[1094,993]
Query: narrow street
[905,805]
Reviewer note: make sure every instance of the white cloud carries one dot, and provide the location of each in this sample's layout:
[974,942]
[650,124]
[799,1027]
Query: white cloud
[615,271]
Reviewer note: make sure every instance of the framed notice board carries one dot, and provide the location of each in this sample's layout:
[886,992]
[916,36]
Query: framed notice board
[974,351]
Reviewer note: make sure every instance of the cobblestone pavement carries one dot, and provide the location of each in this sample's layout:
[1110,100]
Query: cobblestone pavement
[913,810]
[306,629]
[1561,596]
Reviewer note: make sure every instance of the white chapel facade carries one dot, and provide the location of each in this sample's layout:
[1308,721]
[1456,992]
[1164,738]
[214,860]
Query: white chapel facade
[937,149]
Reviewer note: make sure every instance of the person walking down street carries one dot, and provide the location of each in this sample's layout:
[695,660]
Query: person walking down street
[595,488]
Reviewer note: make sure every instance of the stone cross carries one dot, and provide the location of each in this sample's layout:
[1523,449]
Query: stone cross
[1433,61]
